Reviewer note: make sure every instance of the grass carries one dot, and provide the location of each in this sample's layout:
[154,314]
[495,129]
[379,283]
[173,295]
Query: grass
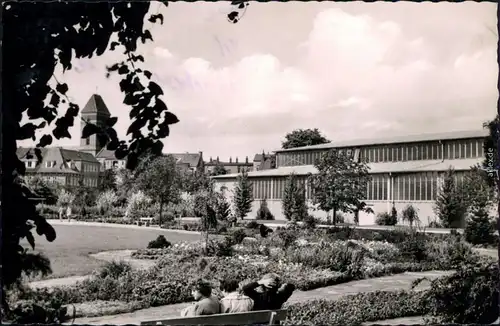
[69,252]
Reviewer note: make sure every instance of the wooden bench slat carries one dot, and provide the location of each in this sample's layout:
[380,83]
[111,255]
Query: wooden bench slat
[241,318]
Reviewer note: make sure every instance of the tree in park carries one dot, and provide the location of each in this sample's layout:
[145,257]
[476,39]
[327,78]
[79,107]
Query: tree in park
[294,202]
[361,206]
[43,189]
[107,181]
[223,207]
[37,39]
[480,197]
[340,184]
[192,182]
[450,206]
[160,180]
[303,137]
[243,196]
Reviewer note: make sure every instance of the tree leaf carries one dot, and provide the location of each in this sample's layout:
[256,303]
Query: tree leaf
[26,131]
[31,239]
[90,129]
[113,45]
[62,88]
[155,89]
[170,118]
[148,74]
[154,18]
[45,140]
[123,70]
[111,121]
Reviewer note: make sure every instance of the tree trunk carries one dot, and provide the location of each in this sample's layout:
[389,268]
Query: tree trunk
[334,216]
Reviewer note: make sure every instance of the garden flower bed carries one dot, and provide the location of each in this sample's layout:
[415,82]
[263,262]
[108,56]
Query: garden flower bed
[306,258]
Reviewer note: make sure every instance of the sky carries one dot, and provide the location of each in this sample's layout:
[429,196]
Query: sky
[351,69]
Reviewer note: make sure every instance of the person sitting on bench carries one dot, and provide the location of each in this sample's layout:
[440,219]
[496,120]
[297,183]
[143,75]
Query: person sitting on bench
[268,293]
[234,300]
[206,304]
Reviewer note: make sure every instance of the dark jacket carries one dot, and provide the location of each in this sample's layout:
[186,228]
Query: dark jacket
[268,299]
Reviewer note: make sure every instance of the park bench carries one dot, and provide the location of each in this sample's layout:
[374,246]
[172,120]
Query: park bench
[146,220]
[270,317]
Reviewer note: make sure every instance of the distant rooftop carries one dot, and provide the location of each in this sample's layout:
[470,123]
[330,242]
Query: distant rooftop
[383,167]
[395,140]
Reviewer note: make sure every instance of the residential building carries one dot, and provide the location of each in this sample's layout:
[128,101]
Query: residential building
[64,166]
[264,161]
[230,166]
[404,170]
[190,161]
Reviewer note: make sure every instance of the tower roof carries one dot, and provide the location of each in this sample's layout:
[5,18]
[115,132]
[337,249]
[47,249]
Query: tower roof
[96,105]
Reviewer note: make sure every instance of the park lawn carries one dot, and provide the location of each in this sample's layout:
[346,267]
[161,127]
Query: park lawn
[69,253]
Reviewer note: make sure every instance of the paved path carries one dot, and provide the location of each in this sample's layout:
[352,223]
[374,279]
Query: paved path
[394,282]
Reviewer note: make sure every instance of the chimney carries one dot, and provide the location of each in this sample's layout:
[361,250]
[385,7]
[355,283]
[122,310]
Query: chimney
[217,159]
[246,159]
[236,159]
[230,160]
[210,159]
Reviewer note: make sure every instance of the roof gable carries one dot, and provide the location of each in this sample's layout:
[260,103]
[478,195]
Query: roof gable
[96,104]
[192,159]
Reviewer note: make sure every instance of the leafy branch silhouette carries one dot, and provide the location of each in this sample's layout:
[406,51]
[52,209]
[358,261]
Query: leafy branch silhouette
[37,38]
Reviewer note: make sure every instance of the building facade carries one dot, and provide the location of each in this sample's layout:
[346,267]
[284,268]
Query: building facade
[264,162]
[62,166]
[230,166]
[404,170]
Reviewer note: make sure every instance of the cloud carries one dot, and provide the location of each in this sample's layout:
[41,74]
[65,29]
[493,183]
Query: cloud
[346,69]
[162,52]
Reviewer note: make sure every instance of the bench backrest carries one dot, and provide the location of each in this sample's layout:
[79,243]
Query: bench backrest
[241,318]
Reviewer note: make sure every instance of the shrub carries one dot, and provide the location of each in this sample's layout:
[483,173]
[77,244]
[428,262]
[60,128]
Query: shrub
[114,269]
[414,247]
[237,236]
[159,243]
[286,236]
[394,214]
[106,200]
[470,296]
[136,204]
[310,222]
[358,308]
[410,215]
[263,213]
[385,219]
[339,218]
[480,230]
[39,312]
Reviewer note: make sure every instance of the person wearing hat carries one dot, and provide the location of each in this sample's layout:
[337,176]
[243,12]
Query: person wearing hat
[268,293]
[206,304]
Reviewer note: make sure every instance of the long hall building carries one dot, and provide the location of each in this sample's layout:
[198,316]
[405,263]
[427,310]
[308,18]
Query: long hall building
[404,170]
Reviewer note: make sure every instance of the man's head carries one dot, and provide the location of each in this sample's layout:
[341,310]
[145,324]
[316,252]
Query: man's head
[229,285]
[201,290]
[271,281]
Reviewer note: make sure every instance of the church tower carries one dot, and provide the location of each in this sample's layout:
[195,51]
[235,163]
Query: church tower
[96,112]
